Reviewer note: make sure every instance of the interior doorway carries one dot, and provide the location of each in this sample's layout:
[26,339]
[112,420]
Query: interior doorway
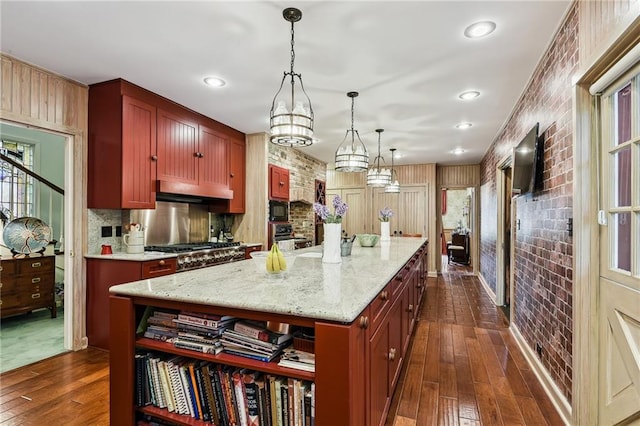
[458,225]
[504,261]
[34,336]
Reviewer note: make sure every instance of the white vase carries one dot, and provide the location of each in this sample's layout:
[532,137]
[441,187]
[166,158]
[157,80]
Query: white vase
[332,236]
[385,235]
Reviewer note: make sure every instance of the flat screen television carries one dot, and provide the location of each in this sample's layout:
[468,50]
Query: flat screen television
[527,163]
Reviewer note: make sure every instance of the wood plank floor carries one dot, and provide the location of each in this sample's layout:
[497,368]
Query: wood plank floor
[463,368]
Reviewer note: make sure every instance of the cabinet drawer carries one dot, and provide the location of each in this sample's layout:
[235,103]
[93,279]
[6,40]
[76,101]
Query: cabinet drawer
[8,267]
[8,284]
[158,268]
[380,306]
[36,265]
[38,298]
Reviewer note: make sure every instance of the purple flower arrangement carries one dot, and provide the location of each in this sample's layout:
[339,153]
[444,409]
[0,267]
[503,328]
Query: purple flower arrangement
[340,209]
[385,214]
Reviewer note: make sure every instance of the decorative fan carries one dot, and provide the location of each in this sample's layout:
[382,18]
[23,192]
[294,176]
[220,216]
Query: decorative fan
[26,235]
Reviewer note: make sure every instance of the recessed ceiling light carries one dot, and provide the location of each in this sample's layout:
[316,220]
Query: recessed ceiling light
[214,81]
[463,125]
[480,29]
[458,151]
[470,94]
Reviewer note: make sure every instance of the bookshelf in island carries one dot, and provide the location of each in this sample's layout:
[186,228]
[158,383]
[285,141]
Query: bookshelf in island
[361,314]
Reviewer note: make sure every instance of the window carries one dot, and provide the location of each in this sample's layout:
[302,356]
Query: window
[17,192]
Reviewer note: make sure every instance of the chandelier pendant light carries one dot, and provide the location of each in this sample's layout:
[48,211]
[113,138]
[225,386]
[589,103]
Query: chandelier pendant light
[378,176]
[394,186]
[291,116]
[352,155]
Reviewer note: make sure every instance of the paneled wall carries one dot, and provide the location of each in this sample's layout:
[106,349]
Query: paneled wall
[38,98]
[415,174]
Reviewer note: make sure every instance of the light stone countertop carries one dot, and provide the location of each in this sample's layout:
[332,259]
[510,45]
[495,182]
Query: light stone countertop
[311,289]
[137,257]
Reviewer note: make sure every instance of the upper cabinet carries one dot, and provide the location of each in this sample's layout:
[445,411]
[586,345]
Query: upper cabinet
[141,143]
[278,183]
[122,148]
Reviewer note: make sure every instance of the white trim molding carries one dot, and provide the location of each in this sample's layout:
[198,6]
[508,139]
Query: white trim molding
[490,292]
[549,386]
[432,274]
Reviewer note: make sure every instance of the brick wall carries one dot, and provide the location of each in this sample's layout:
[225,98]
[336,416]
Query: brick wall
[303,171]
[543,248]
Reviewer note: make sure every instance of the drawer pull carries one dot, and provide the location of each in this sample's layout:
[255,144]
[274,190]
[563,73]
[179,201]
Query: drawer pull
[392,354]
[161,263]
[36,264]
[35,296]
[410,309]
[384,295]
[35,280]
[364,322]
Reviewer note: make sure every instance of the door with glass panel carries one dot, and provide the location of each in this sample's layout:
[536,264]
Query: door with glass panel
[619,283]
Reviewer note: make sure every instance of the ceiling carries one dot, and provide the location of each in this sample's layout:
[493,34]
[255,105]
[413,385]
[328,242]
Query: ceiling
[408,60]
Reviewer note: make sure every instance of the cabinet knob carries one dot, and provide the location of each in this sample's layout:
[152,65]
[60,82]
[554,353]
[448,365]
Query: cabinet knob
[384,295]
[232,175]
[410,308]
[392,354]
[364,322]
[281,183]
[154,158]
[162,262]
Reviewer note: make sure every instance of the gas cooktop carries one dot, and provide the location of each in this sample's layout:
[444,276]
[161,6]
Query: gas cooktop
[188,247]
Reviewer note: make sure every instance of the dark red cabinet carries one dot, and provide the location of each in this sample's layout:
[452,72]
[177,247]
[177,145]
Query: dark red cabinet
[122,147]
[278,183]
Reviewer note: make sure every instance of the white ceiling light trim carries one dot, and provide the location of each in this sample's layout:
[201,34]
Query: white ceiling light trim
[468,95]
[214,82]
[480,29]
[463,126]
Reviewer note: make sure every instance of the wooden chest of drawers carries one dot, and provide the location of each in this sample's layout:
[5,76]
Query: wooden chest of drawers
[27,284]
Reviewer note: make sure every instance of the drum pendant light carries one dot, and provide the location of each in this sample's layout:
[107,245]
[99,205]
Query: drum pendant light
[352,155]
[377,176]
[291,113]
[394,186]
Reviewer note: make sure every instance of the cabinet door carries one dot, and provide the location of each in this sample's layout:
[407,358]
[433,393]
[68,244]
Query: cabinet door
[278,183]
[380,200]
[354,222]
[397,316]
[237,176]
[138,154]
[379,379]
[177,149]
[412,210]
[213,161]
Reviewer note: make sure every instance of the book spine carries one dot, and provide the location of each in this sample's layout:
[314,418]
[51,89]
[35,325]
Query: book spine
[203,322]
[291,401]
[204,406]
[284,395]
[218,396]
[195,346]
[228,396]
[252,399]
[150,384]
[166,389]
[184,376]
[140,379]
[240,397]
[313,403]
[307,405]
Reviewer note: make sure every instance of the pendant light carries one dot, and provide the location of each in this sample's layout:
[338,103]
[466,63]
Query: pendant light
[352,155]
[394,186]
[291,117]
[377,176]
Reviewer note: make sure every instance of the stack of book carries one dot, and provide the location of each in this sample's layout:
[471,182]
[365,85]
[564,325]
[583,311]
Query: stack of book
[159,325]
[300,360]
[200,332]
[252,339]
[222,395]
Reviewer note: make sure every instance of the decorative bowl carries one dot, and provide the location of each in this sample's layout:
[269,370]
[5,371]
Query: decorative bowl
[26,235]
[260,262]
[368,240]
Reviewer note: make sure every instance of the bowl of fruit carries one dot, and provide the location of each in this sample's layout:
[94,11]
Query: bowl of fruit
[275,262]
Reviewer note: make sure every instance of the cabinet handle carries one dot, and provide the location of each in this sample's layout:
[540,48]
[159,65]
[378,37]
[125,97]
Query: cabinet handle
[36,264]
[161,263]
[35,296]
[384,295]
[364,322]
[35,280]
[232,175]
[392,354]
[198,154]
[410,309]
[281,183]
[154,158]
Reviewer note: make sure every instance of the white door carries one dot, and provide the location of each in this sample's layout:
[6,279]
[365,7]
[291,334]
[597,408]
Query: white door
[619,283]
[412,210]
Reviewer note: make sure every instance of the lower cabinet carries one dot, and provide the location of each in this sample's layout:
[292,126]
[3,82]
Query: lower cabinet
[104,273]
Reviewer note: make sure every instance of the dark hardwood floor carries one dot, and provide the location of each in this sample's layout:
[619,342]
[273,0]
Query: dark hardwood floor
[463,368]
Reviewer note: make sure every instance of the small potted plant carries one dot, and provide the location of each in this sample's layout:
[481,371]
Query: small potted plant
[384,216]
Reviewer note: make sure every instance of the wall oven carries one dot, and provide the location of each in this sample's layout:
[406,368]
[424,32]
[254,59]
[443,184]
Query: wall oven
[278,211]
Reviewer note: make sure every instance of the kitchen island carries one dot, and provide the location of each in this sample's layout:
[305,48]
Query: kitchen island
[362,312]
